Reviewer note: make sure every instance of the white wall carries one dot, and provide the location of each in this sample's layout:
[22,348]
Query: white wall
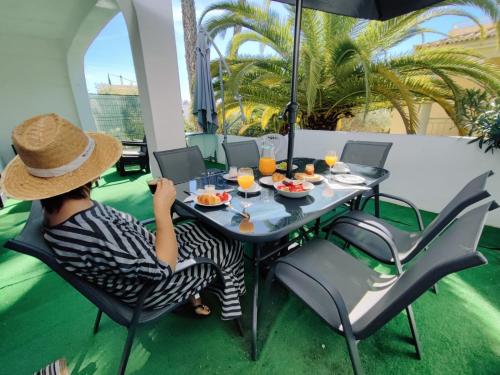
[41,62]
[33,80]
[429,170]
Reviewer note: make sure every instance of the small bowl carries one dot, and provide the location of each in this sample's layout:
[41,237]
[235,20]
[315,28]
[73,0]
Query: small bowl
[296,194]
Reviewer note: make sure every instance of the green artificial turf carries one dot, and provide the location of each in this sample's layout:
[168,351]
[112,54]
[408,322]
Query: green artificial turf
[42,318]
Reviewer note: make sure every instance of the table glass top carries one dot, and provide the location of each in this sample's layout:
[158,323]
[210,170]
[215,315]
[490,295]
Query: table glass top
[272,216]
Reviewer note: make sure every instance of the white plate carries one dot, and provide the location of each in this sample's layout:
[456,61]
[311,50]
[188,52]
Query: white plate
[350,179]
[294,167]
[229,178]
[307,186]
[213,205]
[255,188]
[267,180]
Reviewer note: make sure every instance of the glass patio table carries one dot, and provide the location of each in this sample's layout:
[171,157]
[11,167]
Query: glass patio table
[272,216]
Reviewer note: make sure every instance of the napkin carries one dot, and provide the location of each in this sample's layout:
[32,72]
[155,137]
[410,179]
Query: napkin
[335,185]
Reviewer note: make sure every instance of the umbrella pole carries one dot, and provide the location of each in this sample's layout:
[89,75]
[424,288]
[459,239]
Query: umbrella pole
[293,107]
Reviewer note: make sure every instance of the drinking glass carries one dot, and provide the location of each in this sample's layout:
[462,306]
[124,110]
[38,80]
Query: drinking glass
[330,160]
[245,180]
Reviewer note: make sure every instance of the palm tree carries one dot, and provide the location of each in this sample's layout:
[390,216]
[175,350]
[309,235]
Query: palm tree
[190,31]
[347,65]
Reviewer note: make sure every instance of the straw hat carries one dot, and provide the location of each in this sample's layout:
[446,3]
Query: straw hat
[54,157]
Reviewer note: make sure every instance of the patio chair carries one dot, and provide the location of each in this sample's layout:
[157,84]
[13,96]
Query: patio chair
[373,154]
[391,245]
[242,154]
[182,164]
[30,242]
[355,300]
[138,156]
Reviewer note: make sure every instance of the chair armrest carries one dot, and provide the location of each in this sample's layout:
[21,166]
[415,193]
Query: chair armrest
[379,232]
[134,143]
[396,198]
[147,221]
[334,294]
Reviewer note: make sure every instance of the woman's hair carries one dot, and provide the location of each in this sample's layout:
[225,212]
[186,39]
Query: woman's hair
[54,204]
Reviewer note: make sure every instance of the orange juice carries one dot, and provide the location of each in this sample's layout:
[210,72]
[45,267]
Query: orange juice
[245,181]
[267,166]
[330,160]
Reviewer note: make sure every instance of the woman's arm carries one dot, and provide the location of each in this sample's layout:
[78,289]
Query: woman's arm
[166,242]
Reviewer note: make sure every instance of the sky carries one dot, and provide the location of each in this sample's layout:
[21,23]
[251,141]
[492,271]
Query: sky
[110,52]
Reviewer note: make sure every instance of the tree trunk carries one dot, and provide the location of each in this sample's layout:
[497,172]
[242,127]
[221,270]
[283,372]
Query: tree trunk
[190,31]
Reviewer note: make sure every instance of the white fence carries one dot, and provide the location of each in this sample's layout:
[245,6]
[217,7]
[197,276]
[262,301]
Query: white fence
[429,170]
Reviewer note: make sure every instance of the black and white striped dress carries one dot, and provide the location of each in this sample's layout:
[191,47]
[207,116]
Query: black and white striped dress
[113,250]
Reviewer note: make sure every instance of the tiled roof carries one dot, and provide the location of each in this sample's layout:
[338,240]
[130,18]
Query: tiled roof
[463,35]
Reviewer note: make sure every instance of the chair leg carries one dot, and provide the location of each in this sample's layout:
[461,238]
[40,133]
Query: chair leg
[239,326]
[352,346]
[414,333]
[435,288]
[376,190]
[97,321]
[126,350]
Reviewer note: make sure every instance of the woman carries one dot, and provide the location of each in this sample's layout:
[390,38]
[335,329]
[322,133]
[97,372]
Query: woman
[57,163]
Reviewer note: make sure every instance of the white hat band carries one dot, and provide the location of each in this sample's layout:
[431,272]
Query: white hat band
[63,169]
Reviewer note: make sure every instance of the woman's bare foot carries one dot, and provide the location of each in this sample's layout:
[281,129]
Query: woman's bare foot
[199,307]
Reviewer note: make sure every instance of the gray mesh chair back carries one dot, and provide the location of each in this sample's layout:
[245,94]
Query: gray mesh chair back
[373,154]
[242,154]
[473,192]
[182,164]
[453,251]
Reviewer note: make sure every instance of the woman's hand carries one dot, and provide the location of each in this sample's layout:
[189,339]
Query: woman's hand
[163,199]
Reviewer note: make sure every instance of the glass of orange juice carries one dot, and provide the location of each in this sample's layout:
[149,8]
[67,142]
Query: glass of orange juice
[267,161]
[330,160]
[245,180]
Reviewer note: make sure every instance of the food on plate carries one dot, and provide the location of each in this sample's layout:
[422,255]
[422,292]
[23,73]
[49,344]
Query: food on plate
[309,170]
[278,177]
[213,199]
[291,187]
[307,177]
[282,165]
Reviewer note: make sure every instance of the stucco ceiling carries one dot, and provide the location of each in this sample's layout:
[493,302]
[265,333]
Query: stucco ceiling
[44,18]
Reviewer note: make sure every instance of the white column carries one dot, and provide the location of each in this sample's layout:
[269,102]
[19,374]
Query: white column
[150,26]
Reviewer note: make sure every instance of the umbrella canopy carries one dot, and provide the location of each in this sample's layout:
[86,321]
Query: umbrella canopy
[204,99]
[367,9]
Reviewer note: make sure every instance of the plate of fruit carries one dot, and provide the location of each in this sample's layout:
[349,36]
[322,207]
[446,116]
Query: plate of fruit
[213,199]
[294,188]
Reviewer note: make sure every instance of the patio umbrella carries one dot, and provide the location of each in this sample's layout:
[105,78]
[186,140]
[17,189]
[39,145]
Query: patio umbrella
[204,99]
[367,9]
